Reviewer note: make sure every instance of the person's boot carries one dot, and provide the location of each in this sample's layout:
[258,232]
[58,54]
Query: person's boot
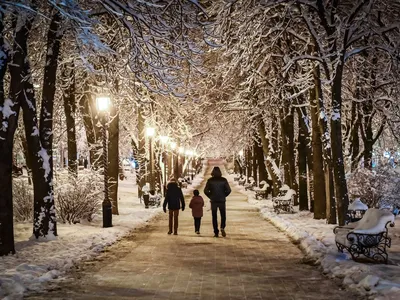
[223,232]
[169,232]
[175,233]
[216,235]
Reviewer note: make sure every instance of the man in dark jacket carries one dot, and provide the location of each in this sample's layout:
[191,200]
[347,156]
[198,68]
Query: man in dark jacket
[173,198]
[217,189]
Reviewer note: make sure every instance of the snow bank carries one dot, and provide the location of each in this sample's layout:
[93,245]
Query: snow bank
[316,239]
[36,263]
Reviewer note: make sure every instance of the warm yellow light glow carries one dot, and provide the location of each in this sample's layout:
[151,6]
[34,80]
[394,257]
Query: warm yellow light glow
[181,150]
[172,145]
[150,131]
[164,139]
[241,152]
[103,103]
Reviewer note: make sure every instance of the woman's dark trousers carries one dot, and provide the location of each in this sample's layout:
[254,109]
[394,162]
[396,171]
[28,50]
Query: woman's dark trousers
[222,210]
[197,223]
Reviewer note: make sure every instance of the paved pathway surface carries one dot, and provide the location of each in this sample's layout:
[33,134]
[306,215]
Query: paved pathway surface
[254,261]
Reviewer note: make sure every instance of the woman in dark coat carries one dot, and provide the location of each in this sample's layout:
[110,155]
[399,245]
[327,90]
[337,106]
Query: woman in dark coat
[174,200]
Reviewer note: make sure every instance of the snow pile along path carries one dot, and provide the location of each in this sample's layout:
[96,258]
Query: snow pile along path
[317,240]
[38,262]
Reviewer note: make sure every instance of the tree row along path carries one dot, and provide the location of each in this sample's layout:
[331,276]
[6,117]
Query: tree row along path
[254,261]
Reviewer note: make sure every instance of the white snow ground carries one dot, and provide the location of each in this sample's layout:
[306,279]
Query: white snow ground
[38,262]
[316,239]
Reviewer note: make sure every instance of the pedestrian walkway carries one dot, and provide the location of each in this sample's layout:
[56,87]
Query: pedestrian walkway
[254,261]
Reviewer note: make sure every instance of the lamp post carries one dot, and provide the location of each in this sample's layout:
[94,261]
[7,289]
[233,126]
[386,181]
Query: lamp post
[150,131]
[164,139]
[103,103]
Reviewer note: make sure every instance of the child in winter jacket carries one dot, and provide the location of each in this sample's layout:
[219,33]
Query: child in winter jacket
[196,204]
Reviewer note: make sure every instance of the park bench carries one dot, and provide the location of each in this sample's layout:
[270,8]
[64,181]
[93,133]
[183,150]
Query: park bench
[261,192]
[182,183]
[284,200]
[250,185]
[355,211]
[154,198]
[367,238]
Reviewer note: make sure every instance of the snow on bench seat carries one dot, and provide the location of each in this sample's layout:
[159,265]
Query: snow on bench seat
[261,192]
[368,236]
[284,201]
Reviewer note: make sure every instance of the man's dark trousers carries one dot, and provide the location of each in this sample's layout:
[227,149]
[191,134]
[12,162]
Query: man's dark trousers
[222,211]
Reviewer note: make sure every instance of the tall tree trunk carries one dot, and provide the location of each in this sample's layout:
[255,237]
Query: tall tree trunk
[254,163]
[285,147]
[288,155]
[259,154]
[70,116]
[368,137]
[318,164]
[337,151]
[302,161]
[238,164]
[248,163]
[276,149]
[327,150]
[141,151]
[84,109]
[272,168]
[113,157]
[41,145]
[27,160]
[9,123]
[355,140]
[292,155]
[310,166]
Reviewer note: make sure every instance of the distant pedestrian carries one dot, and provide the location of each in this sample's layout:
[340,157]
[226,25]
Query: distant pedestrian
[217,189]
[175,201]
[196,204]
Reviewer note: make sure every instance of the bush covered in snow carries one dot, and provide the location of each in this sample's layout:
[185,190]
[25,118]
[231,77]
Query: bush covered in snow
[22,201]
[375,188]
[78,198]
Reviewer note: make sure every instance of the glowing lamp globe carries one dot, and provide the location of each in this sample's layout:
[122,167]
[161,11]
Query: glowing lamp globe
[150,131]
[103,103]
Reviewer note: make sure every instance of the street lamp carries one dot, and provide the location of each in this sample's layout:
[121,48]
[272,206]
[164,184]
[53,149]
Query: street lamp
[102,104]
[150,131]
[164,139]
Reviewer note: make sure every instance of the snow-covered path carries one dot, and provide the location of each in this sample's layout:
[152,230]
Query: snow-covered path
[254,261]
